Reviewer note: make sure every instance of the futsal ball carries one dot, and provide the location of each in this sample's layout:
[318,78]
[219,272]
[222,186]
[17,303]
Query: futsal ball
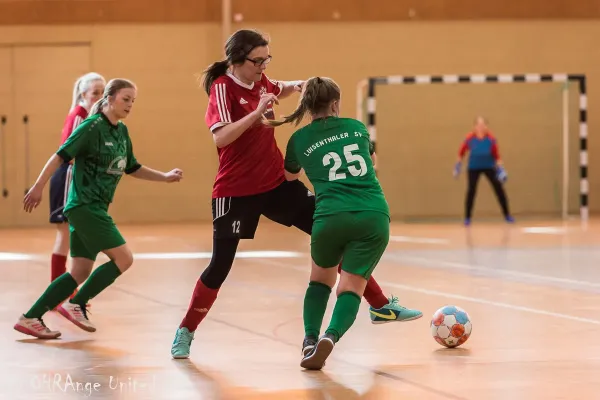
[451,326]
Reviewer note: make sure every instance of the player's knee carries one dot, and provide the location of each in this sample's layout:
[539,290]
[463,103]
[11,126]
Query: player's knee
[326,276]
[62,230]
[81,269]
[80,275]
[61,244]
[224,251]
[217,271]
[124,260]
[351,283]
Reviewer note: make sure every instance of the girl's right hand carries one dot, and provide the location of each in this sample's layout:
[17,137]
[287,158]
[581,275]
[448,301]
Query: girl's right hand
[265,100]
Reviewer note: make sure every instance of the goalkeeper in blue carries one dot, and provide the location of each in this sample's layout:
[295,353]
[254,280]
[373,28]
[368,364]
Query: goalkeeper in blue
[484,158]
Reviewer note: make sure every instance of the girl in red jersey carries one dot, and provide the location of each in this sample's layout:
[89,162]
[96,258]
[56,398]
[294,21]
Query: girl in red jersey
[87,91]
[250,181]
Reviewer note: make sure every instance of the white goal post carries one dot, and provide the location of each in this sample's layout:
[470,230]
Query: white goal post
[369,86]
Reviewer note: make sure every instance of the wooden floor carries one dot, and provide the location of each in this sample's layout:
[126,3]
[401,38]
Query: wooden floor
[532,291]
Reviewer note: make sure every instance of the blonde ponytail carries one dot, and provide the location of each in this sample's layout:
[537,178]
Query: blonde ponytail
[82,85]
[77,94]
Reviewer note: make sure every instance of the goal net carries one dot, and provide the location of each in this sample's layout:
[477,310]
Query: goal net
[419,123]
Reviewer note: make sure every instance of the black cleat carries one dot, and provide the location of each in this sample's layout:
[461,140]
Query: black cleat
[315,360]
[308,345]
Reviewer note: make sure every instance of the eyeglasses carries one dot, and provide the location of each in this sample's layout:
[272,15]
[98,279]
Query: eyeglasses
[258,62]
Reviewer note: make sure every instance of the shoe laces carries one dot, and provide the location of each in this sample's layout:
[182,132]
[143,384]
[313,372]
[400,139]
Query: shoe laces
[183,337]
[395,301]
[80,311]
[41,321]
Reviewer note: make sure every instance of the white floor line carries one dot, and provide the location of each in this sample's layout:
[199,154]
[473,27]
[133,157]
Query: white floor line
[166,255]
[499,272]
[414,239]
[546,230]
[459,297]
[15,257]
[208,255]
[490,303]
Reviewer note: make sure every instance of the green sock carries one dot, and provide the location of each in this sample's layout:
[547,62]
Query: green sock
[60,288]
[344,314]
[315,304]
[99,280]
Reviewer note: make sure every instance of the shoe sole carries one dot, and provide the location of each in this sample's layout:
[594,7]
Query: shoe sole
[22,329]
[395,320]
[66,314]
[317,358]
[180,357]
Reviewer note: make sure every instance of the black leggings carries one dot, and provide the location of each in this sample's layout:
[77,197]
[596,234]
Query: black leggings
[473,177]
[224,250]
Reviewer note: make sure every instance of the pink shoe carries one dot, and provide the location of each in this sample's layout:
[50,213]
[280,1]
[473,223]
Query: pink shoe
[77,315]
[35,327]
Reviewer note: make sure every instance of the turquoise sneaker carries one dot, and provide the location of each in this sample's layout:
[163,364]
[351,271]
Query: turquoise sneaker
[393,311]
[181,344]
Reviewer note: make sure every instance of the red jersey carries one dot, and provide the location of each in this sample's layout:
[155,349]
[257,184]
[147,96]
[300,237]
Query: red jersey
[74,118]
[252,164]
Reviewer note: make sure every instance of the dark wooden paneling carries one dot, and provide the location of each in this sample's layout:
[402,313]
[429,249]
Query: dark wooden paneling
[392,10]
[21,12]
[18,12]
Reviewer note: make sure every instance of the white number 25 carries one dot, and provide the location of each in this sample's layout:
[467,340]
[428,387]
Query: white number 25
[350,158]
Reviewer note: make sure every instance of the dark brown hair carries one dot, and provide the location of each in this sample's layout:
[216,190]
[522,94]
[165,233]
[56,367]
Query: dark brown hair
[317,95]
[237,48]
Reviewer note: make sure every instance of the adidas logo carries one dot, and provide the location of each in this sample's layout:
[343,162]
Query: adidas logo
[243,101]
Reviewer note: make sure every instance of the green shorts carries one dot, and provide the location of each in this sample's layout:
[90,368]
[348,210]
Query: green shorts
[360,238]
[92,231]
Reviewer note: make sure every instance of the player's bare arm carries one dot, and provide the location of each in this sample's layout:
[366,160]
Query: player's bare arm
[290,87]
[149,174]
[231,132]
[34,195]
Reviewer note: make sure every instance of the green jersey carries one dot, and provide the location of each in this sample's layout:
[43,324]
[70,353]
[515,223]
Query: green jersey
[336,153]
[102,152]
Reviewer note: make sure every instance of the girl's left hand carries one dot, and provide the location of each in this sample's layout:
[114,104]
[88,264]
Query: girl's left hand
[299,85]
[174,176]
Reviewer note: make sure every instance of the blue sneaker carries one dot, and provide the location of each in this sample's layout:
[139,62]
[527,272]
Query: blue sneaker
[181,344]
[467,221]
[510,219]
[392,312]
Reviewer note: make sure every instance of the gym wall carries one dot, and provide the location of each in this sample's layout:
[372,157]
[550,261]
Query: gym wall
[44,48]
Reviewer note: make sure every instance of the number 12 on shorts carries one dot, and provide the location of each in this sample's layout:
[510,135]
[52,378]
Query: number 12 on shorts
[236,226]
[350,158]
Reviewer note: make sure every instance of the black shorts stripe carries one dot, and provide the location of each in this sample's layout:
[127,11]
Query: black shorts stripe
[238,217]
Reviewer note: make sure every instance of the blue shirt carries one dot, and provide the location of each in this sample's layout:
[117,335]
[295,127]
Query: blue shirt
[483,152]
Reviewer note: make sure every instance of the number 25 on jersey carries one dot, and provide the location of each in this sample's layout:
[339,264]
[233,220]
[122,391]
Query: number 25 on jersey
[330,157]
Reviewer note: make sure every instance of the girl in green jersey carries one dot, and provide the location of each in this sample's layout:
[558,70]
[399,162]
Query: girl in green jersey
[351,219]
[103,152]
